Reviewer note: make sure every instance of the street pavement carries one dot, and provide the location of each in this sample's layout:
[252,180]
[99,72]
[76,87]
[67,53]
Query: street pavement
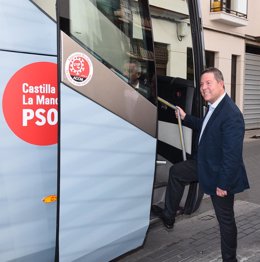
[195,238]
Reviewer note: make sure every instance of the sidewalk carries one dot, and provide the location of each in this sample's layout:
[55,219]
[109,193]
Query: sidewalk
[196,239]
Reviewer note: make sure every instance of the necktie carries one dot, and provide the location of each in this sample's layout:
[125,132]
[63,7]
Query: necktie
[206,119]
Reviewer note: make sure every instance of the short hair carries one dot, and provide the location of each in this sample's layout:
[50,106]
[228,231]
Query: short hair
[217,73]
[138,65]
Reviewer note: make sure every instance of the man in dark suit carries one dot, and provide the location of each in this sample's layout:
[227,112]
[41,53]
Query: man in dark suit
[217,164]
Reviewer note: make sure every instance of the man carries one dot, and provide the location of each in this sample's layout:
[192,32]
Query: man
[218,163]
[133,71]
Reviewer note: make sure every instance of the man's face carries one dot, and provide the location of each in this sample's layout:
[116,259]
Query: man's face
[130,71]
[210,88]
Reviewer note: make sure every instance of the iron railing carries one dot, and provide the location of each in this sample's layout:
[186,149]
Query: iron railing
[220,6]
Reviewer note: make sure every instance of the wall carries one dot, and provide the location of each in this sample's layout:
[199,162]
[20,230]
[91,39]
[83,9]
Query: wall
[225,40]
[166,32]
[253,28]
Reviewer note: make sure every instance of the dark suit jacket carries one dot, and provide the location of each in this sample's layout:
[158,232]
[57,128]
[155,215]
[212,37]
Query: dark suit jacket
[219,153]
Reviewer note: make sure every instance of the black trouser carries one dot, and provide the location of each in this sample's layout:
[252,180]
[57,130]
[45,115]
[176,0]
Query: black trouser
[224,210]
[184,173]
[180,175]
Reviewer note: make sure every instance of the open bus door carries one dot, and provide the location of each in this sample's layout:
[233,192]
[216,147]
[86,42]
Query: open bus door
[107,128]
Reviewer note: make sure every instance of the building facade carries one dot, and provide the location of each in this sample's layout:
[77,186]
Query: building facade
[232,43]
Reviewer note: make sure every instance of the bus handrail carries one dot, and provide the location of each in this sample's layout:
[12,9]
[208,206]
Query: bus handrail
[179,125]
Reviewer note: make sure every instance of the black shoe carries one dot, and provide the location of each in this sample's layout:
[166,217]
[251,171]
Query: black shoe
[168,222]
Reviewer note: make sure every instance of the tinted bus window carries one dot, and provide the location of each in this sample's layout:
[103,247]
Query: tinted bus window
[118,34]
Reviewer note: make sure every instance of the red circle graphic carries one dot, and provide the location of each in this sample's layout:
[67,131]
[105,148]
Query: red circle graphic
[30,103]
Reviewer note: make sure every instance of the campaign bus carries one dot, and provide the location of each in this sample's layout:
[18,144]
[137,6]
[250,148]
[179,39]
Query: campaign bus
[85,142]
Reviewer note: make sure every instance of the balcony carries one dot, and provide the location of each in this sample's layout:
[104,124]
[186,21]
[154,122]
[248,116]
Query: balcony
[220,12]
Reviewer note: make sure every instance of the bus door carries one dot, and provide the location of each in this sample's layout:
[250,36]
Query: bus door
[178,84]
[107,128]
[28,128]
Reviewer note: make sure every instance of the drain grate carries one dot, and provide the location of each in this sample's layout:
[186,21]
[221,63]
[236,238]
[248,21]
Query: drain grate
[255,136]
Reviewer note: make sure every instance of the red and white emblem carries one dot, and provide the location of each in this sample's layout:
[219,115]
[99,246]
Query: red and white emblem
[78,69]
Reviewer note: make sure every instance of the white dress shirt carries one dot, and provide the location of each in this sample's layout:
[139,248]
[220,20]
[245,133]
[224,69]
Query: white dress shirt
[209,113]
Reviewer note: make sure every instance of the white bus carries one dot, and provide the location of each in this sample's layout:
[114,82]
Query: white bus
[80,137]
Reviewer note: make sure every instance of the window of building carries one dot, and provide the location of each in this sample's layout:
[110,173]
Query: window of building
[210,58]
[210,62]
[190,68]
[161,58]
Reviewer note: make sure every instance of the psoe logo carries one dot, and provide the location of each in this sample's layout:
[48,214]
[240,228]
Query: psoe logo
[30,103]
[78,69]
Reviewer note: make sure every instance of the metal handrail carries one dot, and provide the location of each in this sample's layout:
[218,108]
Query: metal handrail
[179,125]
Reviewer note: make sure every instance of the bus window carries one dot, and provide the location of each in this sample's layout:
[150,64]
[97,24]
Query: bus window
[117,33]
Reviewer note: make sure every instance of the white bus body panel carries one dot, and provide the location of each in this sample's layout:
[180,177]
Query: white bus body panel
[27,174]
[27,171]
[25,28]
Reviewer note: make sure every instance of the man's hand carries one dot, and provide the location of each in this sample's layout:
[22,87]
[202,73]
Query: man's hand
[181,112]
[220,192]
